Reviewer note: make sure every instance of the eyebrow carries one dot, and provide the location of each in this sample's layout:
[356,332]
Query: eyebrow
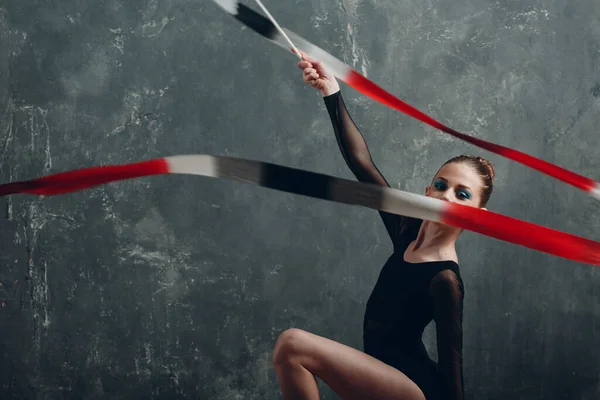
[446,180]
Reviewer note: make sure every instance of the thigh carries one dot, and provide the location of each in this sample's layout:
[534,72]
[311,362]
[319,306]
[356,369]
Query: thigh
[351,373]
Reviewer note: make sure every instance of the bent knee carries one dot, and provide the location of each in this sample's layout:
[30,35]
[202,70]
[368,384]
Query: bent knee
[290,345]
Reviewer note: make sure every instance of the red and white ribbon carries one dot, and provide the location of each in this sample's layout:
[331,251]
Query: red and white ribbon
[282,37]
[324,187]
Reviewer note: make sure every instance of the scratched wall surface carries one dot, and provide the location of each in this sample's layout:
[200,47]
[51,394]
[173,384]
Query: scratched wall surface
[177,287]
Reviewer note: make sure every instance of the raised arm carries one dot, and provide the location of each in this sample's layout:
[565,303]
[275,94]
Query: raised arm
[350,140]
[447,293]
[352,144]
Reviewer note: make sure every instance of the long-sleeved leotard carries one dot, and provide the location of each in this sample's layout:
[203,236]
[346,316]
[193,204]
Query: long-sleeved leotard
[407,296]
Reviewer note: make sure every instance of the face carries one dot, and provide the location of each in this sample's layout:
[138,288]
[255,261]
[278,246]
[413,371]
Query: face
[456,183]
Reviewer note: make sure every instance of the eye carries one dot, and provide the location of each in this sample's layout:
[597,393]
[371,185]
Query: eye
[463,194]
[439,185]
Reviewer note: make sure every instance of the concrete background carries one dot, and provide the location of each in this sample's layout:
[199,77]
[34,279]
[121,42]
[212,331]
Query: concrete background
[177,287]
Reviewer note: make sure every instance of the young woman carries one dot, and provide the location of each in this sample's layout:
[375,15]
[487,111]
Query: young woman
[419,283]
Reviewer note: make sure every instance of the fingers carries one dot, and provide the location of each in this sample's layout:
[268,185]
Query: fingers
[310,74]
[309,71]
[304,64]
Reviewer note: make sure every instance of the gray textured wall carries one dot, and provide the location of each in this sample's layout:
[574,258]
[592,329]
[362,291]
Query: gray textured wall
[177,287]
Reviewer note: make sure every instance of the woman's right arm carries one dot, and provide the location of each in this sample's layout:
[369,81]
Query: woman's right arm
[350,140]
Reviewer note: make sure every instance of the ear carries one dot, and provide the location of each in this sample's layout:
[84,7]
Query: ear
[427,188]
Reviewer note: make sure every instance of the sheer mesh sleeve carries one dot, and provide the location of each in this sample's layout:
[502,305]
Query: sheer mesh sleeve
[447,293]
[358,158]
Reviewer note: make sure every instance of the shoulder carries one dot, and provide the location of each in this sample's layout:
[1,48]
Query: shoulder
[447,283]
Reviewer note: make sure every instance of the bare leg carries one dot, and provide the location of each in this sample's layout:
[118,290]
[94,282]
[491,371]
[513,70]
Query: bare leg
[299,356]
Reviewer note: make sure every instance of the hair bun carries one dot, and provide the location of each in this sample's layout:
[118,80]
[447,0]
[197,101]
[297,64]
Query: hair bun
[488,166]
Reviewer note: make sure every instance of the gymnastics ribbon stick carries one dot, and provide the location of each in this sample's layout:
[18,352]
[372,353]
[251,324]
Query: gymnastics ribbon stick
[294,49]
[276,34]
[325,187]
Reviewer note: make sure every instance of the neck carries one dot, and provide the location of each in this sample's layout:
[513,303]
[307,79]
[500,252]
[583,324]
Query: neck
[434,236]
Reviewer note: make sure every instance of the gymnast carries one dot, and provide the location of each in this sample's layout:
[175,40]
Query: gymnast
[419,283]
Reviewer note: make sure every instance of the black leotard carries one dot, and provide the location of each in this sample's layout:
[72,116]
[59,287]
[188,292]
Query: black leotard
[407,296]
